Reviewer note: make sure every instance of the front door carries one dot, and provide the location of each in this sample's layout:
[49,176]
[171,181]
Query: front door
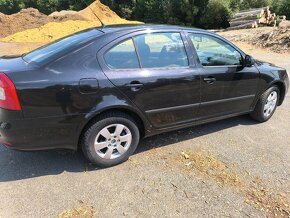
[227,87]
[154,71]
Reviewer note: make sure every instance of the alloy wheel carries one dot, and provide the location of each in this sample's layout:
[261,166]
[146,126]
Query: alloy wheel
[270,104]
[113,141]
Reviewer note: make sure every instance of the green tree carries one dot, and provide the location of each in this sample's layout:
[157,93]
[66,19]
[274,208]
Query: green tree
[281,7]
[247,4]
[10,6]
[217,15]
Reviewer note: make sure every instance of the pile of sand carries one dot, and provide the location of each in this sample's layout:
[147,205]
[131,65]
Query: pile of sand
[55,26]
[50,32]
[103,12]
[27,19]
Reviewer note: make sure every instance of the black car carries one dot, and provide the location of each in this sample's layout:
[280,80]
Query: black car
[105,88]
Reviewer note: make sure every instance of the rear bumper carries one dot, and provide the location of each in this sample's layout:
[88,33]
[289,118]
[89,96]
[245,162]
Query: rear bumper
[38,134]
[8,121]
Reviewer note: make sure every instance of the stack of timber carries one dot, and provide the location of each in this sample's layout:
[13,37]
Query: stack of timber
[254,18]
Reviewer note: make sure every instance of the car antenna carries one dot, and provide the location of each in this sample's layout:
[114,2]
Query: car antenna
[103,25]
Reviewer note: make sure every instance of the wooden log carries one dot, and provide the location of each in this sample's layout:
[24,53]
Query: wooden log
[255,9]
[248,17]
[241,22]
[244,26]
[249,13]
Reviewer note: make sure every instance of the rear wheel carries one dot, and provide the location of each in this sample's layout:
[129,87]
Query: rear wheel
[267,104]
[111,139]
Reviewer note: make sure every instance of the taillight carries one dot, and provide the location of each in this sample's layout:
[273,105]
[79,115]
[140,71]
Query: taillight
[8,96]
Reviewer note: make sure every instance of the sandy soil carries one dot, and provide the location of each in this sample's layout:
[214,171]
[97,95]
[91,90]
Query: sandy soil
[230,168]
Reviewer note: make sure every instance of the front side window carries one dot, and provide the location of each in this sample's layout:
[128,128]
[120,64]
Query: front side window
[161,50]
[122,56]
[214,52]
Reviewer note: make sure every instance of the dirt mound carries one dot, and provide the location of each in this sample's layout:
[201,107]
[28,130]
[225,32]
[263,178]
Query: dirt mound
[25,19]
[50,32]
[29,18]
[66,15]
[37,27]
[103,12]
[285,24]
[278,39]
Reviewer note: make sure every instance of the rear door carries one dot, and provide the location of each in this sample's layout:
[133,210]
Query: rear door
[227,87]
[154,71]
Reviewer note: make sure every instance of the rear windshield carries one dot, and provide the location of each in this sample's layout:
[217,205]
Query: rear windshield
[60,47]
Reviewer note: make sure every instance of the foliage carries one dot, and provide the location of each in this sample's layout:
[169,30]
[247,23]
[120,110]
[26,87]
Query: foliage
[247,4]
[221,13]
[282,7]
[199,13]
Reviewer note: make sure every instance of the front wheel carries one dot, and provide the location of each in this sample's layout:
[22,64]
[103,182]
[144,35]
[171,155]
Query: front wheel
[111,139]
[266,105]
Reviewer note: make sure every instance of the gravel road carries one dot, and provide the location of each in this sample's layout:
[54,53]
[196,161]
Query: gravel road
[230,168]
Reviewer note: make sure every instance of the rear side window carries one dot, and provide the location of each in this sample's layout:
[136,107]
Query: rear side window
[122,56]
[214,52]
[56,49]
[159,50]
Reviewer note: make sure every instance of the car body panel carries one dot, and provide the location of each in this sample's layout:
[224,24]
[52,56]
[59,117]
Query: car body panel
[159,98]
[61,97]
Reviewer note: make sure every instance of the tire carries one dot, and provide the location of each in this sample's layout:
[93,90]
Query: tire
[113,133]
[263,113]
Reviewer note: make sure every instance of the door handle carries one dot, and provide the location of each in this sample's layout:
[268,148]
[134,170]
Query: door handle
[209,80]
[135,86]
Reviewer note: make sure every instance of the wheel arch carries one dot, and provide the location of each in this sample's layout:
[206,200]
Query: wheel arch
[282,89]
[139,119]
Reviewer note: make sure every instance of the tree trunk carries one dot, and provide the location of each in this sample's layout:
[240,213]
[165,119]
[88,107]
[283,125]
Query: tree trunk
[254,9]
[241,22]
[244,26]
[249,13]
[247,17]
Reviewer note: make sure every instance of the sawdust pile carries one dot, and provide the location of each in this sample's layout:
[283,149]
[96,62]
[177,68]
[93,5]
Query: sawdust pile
[211,166]
[82,211]
[32,26]
[29,18]
[254,192]
[103,12]
[50,32]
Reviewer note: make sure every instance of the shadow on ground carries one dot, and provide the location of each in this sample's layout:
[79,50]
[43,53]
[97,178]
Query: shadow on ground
[17,165]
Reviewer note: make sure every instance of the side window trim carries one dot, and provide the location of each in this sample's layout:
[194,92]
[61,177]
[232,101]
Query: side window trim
[137,52]
[210,35]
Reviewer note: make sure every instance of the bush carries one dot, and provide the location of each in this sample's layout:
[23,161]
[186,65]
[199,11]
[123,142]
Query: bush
[217,15]
[282,7]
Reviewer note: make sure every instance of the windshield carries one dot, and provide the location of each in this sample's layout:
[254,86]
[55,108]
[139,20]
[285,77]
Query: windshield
[60,47]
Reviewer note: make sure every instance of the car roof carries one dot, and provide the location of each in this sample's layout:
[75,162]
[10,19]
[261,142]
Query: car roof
[137,27]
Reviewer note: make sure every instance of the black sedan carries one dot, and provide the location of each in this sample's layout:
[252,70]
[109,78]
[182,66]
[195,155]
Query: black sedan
[105,88]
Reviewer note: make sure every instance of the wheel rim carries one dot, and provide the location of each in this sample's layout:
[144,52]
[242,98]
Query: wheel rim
[113,141]
[270,104]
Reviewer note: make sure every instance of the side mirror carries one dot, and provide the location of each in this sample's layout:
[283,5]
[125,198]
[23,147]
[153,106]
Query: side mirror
[249,61]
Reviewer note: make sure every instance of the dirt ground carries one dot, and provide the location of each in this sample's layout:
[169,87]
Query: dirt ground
[231,168]
[275,39]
